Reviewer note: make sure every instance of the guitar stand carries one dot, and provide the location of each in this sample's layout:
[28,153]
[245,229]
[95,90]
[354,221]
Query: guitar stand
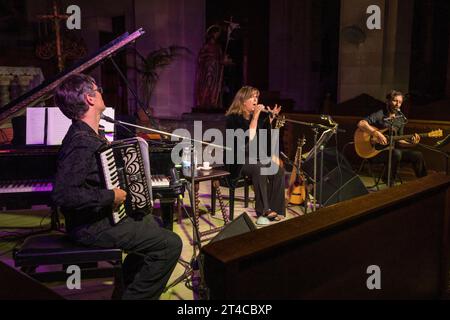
[307,193]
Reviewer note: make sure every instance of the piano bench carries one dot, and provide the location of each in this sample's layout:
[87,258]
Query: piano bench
[56,248]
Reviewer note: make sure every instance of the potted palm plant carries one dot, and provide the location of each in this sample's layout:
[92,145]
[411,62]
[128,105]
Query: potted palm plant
[150,66]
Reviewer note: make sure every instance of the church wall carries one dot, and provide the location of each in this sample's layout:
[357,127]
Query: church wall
[175,22]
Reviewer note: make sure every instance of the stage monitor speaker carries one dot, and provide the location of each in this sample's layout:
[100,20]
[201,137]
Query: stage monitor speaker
[339,182]
[240,225]
[16,285]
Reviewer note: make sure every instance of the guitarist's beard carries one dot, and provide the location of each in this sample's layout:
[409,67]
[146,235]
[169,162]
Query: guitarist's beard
[391,109]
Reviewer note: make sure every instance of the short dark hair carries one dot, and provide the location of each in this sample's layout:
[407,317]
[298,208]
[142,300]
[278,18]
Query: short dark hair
[69,95]
[393,93]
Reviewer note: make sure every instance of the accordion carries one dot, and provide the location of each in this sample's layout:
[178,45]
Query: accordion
[126,164]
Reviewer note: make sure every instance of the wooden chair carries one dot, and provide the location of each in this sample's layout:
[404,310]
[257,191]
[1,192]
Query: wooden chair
[242,182]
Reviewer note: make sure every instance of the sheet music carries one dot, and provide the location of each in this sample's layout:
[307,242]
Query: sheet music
[35,127]
[57,126]
[326,135]
[109,127]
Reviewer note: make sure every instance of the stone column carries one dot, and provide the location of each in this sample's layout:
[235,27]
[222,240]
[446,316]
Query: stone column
[167,23]
[24,82]
[447,89]
[382,61]
[5,82]
[291,51]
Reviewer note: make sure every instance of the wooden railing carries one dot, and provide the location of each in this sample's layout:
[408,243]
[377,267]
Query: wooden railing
[403,231]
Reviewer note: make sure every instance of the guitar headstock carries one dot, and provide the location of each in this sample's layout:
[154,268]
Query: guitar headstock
[301,141]
[435,134]
[281,120]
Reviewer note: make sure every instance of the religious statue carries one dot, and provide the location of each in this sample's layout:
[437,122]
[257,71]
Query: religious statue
[210,68]
[207,82]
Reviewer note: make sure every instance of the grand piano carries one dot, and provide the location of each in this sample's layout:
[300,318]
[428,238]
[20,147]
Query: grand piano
[27,172]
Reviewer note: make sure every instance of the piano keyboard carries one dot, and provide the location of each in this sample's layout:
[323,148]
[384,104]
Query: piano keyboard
[112,180]
[160,181]
[25,186]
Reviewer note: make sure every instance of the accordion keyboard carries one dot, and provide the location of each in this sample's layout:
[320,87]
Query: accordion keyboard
[112,180]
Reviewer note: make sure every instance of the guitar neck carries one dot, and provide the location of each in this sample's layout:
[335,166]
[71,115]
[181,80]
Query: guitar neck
[407,136]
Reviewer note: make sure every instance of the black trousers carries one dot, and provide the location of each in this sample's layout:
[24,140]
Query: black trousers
[153,252]
[269,189]
[414,157]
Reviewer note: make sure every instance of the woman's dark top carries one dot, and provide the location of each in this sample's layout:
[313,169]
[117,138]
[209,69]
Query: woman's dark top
[234,122]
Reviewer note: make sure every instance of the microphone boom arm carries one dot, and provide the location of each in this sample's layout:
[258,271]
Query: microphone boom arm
[108,119]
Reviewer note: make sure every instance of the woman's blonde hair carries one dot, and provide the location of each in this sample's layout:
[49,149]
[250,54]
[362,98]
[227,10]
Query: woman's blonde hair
[244,93]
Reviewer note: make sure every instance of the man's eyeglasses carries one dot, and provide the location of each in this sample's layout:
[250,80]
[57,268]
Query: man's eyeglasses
[99,89]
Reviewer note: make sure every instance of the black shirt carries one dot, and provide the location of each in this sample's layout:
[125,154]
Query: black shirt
[237,121]
[78,189]
[377,119]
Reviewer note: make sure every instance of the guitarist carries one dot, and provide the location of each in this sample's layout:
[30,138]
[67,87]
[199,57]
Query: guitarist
[402,151]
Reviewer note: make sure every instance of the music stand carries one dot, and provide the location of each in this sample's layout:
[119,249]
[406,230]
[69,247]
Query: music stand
[318,144]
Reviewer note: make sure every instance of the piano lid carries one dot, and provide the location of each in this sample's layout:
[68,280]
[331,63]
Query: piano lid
[44,90]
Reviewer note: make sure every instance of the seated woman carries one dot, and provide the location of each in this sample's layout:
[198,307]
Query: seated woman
[245,113]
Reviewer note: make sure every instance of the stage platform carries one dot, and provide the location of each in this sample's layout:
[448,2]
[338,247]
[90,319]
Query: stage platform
[15,225]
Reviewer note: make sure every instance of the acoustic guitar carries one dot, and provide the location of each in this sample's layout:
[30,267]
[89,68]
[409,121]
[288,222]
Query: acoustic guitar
[297,190]
[366,147]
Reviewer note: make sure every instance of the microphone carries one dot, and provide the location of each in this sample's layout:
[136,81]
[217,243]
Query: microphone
[443,142]
[327,118]
[107,119]
[400,113]
[174,177]
[117,123]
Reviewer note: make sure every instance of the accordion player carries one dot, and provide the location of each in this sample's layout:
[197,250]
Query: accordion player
[126,164]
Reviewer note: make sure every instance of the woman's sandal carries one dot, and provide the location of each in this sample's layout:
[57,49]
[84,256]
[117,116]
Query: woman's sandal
[272,216]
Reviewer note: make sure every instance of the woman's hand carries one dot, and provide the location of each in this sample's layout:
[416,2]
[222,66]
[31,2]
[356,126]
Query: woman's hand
[257,110]
[274,112]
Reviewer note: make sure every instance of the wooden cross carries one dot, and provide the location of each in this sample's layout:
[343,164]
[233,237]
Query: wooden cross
[56,17]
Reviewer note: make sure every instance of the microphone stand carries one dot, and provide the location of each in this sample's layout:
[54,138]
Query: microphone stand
[118,122]
[316,133]
[333,131]
[390,122]
[194,264]
[391,140]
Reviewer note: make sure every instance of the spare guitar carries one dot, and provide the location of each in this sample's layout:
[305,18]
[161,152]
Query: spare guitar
[366,147]
[297,190]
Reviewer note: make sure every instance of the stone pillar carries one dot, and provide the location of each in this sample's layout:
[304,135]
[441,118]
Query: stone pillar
[381,62]
[447,89]
[24,82]
[5,82]
[291,52]
[167,23]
